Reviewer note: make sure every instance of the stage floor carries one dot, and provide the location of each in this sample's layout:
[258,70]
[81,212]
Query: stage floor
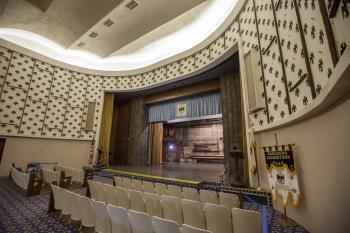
[185,171]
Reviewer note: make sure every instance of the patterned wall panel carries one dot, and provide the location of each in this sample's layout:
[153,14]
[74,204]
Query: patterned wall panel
[249,36]
[292,49]
[136,81]
[317,43]
[340,23]
[33,118]
[271,61]
[248,30]
[42,100]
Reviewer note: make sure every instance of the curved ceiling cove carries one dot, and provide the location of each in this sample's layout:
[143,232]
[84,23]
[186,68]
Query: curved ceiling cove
[148,36]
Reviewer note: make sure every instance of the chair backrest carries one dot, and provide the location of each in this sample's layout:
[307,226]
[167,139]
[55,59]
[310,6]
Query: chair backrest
[111,194]
[229,199]
[75,207]
[118,181]
[101,193]
[165,226]
[153,205]
[102,219]
[246,221]
[57,196]
[218,218]
[122,197]
[209,196]
[119,219]
[175,191]
[190,194]
[87,212]
[161,189]
[66,200]
[172,209]
[148,187]
[137,185]
[93,190]
[136,201]
[189,229]
[127,183]
[140,222]
[193,213]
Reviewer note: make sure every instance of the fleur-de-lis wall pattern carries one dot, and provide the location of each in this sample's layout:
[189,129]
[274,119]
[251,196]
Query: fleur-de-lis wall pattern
[38,99]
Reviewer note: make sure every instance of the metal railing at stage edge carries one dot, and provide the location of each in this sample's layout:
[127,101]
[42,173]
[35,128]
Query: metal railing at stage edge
[259,196]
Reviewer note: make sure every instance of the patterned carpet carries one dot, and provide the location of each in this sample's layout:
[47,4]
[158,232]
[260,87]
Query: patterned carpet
[20,214]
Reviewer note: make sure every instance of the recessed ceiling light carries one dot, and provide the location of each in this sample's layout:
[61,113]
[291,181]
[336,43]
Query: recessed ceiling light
[108,23]
[81,44]
[93,34]
[132,4]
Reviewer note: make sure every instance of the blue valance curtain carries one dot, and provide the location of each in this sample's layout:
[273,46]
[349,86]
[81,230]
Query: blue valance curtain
[204,105]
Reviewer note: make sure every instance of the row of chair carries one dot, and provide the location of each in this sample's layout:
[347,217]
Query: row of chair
[76,174]
[204,196]
[50,176]
[181,211]
[107,218]
[20,178]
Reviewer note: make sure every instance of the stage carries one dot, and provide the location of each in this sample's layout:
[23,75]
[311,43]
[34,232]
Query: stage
[199,172]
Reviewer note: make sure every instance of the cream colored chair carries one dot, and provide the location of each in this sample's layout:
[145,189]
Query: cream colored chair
[209,196]
[66,202]
[172,209]
[218,218]
[160,189]
[148,187]
[93,190]
[153,204]
[136,201]
[189,229]
[57,197]
[119,219]
[140,222]
[190,194]
[229,199]
[75,207]
[101,193]
[102,219]
[87,212]
[137,185]
[165,226]
[246,221]
[118,181]
[193,213]
[127,183]
[111,194]
[175,191]
[122,197]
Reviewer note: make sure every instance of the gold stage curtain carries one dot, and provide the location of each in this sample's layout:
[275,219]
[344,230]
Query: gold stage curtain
[106,126]
[157,142]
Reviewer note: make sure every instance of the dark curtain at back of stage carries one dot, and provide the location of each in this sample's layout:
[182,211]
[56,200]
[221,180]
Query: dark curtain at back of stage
[156,142]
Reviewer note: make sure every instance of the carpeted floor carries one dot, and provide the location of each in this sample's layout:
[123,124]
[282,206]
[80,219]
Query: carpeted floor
[29,214]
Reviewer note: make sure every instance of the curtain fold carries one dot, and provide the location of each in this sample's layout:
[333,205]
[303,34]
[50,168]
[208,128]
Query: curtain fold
[157,143]
[106,126]
[204,105]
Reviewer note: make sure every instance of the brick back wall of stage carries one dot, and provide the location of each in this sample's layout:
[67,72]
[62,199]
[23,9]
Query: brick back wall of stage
[39,99]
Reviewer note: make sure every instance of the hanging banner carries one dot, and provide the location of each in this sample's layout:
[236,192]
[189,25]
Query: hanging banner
[181,110]
[282,176]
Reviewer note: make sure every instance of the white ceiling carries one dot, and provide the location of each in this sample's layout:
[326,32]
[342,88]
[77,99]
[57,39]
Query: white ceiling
[70,22]
[154,30]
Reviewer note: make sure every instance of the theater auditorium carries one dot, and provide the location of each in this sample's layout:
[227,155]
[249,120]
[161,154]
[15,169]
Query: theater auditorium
[174,116]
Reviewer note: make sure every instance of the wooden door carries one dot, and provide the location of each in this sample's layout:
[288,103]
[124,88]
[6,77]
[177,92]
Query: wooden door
[121,146]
